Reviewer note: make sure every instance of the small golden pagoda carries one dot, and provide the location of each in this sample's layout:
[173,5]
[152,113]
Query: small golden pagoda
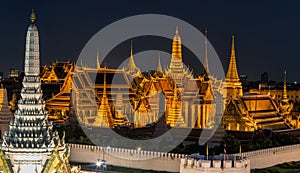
[104,116]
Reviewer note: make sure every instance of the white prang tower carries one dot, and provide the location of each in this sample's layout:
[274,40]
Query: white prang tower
[31,145]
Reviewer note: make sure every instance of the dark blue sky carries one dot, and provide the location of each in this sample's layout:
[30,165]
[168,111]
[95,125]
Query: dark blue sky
[267,32]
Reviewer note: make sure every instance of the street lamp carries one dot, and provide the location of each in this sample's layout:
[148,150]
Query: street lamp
[98,163]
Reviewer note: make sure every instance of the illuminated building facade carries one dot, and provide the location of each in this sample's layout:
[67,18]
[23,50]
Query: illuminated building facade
[13,73]
[31,145]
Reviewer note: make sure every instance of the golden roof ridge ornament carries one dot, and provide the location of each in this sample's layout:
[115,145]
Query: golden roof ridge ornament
[32,16]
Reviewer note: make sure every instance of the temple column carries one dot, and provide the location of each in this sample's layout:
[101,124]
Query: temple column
[186,113]
[199,116]
[207,114]
[228,126]
[192,116]
[203,116]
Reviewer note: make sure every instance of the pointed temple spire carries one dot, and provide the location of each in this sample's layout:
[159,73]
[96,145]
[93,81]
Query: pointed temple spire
[232,85]
[104,84]
[131,67]
[104,116]
[97,60]
[32,17]
[176,70]
[232,73]
[159,68]
[206,54]
[284,97]
[131,63]
[176,46]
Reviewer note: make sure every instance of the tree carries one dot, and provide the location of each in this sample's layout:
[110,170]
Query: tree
[232,144]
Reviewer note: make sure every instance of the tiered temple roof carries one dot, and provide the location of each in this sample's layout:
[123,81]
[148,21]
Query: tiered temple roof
[252,112]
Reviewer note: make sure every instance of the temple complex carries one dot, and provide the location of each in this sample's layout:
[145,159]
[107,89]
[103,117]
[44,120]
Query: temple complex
[108,97]
[31,145]
[128,96]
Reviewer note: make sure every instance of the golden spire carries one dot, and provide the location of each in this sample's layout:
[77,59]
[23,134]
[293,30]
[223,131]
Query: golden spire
[104,84]
[159,65]
[97,60]
[232,73]
[284,97]
[32,16]
[176,46]
[131,54]
[206,54]
[131,64]
[104,117]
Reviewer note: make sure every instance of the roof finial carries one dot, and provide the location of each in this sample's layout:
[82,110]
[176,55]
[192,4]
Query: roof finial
[97,60]
[131,54]
[32,16]
[104,83]
[206,54]
[177,30]
[232,46]
[159,68]
[284,87]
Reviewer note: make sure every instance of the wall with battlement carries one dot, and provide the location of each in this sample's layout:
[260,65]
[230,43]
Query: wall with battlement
[273,156]
[190,165]
[171,162]
[139,159]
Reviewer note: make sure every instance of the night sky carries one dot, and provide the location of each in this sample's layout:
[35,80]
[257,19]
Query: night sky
[267,32]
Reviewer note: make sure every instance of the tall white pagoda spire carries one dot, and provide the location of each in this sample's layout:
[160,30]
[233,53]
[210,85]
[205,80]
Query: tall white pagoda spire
[30,141]
[32,50]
